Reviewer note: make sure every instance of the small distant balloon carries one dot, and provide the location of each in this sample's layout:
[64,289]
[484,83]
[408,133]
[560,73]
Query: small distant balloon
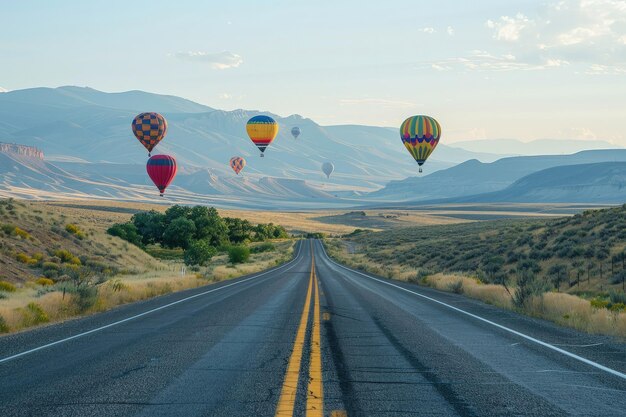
[237,163]
[420,135]
[149,129]
[262,131]
[328,168]
[162,170]
[295,132]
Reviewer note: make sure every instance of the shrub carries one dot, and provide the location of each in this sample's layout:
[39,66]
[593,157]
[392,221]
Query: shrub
[617,297]
[33,314]
[618,307]
[4,327]
[199,253]
[25,259]
[43,281]
[456,287]
[67,257]
[7,286]
[598,303]
[22,233]
[8,229]
[50,266]
[75,230]
[127,231]
[86,297]
[238,254]
[263,247]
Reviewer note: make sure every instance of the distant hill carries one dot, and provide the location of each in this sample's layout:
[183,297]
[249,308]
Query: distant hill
[85,125]
[535,147]
[474,177]
[588,183]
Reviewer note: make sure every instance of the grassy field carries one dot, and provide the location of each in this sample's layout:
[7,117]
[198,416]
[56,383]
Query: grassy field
[569,270]
[58,262]
[338,222]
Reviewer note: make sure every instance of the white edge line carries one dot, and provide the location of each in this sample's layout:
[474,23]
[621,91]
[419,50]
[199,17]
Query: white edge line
[515,332]
[76,336]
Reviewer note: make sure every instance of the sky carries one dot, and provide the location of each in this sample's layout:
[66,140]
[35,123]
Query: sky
[487,69]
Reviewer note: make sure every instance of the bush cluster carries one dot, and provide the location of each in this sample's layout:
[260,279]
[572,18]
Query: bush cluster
[200,231]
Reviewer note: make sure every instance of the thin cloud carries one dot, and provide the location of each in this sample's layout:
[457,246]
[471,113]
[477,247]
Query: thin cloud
[509,28]
[584,32]
[450,31]
[478,60]
[221,60]
[428,30]
[377,102]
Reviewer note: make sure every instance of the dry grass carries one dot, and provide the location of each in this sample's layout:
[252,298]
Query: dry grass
[564,309]
[471,287]
[109,212]
[131,288]
[569,310]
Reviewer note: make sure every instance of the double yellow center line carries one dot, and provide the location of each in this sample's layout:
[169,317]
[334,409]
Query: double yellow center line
[315,394]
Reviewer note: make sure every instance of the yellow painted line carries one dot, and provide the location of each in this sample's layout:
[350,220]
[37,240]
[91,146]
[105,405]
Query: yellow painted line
[315,392]
[287,399]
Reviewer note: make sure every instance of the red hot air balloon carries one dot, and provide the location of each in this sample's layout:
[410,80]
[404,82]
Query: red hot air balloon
[149,129]
[162,170]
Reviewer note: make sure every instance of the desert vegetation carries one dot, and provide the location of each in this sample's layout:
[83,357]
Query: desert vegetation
[60,262]
[570,270]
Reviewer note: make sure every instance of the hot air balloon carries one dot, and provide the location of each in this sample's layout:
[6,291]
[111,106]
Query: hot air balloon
[149,129]
[328,168]
[295,132]
[420,135]
[237,163]
[262,131]
[162,170]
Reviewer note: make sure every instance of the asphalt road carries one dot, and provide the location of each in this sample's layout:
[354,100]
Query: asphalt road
[310,338]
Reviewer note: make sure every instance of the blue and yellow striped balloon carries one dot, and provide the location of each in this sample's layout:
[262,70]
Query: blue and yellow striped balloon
[420,135]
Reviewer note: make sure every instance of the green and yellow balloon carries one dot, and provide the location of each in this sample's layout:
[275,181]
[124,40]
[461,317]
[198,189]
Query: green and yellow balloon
[420,136]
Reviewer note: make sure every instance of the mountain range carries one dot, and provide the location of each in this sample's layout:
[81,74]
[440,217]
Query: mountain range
[474,177]
[85,149]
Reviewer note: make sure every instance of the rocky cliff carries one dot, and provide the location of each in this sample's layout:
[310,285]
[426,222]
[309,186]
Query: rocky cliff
[13,148]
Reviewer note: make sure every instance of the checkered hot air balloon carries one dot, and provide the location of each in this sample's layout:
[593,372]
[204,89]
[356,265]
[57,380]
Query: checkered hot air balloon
[237,163]
[162,170]
[262,131]
[149,129]
[420,135]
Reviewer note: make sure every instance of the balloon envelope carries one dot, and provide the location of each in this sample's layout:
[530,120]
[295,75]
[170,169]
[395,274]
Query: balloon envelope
[237,163]
[149,129]
[420,135]
[162,170]
[328,168]
[295,132]
[262,131]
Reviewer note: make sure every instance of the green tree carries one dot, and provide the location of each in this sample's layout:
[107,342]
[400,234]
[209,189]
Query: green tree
[179,233]
[176,212]
[209,225]
[238,230]
[238,254]
[199,253]
[127,231]
[150,225]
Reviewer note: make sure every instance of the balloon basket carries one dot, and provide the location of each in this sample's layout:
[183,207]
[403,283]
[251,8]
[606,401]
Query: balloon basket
[262,155]
[420,170]
[161,194]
